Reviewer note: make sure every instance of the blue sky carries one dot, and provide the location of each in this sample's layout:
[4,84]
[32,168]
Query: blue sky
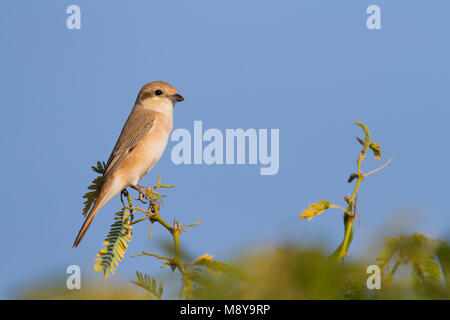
[308,68]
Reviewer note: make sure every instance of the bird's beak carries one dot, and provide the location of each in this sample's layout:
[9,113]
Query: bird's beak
[176,98]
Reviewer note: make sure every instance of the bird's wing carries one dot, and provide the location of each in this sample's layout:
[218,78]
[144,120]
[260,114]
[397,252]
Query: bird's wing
[137,126]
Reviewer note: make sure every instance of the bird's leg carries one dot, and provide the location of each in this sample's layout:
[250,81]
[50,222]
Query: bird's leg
[144,195]
[125,194]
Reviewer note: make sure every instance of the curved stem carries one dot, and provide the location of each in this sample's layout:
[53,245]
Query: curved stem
[349,215]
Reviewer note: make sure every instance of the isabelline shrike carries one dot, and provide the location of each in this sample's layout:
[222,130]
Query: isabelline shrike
[139,147]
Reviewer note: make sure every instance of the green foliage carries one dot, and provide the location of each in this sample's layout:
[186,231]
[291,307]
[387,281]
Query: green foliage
[315,209]
[150,285]
[426,258]
[212,266]
[116,243]
[294,273]
[200,272]
[375,147]
[92,195]
[351,210]
[287,273]
[192,273]
[442,252]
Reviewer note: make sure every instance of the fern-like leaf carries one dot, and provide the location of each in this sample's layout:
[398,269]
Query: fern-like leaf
[150,285]
[315,209]
[91,196]
[115,244]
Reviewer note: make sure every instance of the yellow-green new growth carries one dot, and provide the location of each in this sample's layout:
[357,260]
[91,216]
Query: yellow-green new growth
[351,209]
[150,285]
[116,242]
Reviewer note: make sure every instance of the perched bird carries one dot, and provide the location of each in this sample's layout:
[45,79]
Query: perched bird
[139,147]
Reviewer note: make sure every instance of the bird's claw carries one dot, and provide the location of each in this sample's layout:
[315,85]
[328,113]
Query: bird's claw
[141,198]
[143,195]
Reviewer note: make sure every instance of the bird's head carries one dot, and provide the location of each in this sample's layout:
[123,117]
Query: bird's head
[159,92]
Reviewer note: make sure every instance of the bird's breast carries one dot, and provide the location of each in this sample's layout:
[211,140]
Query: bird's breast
[148,151]
[154,144]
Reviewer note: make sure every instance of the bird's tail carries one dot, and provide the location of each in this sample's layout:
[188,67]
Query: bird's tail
[103,198]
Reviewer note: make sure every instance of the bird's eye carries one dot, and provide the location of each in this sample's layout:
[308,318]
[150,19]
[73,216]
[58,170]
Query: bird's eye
[158,92]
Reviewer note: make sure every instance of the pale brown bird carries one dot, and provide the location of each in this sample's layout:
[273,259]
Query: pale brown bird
[139,147]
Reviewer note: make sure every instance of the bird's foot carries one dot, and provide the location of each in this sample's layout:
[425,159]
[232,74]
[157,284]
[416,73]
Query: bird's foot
[143,195]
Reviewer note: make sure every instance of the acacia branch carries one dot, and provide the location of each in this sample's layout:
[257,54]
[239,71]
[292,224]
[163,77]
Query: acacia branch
[352,210]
